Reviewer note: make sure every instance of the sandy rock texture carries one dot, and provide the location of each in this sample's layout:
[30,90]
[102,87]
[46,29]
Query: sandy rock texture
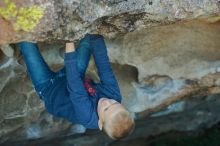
[165,54]
[70,20]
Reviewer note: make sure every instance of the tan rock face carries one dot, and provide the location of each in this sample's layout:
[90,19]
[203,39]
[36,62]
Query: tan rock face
[163,65]
[178,50]
[69,20]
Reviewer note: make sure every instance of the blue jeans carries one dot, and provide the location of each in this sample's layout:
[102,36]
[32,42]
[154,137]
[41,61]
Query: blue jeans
[38,70]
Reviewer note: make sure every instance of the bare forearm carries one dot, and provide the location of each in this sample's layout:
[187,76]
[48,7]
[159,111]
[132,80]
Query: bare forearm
[70,47]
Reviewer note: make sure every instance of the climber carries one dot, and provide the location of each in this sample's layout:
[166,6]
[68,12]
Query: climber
[68,93]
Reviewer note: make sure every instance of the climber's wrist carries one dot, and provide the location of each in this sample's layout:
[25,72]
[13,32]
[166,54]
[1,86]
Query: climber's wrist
[70,47]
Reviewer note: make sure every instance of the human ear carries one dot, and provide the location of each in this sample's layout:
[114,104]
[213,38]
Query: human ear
[100,124]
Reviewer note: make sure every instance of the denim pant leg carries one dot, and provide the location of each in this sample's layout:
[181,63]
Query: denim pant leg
[37,68]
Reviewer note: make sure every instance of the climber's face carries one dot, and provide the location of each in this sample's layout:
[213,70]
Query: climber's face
[107,108]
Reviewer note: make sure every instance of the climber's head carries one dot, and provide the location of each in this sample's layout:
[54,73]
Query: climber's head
[114,119]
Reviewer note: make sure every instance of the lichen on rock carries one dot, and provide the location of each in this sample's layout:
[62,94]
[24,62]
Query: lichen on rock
[165,55]
[25,18]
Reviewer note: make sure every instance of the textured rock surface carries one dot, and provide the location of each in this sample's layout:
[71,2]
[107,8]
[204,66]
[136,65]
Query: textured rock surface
[165,55]
[71,19]
[178,51]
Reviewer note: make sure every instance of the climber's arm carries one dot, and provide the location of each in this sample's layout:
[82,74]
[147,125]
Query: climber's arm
[109,84]
[82,104]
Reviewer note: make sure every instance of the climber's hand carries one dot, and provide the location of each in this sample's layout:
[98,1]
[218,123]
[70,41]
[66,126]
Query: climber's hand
[70,47]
